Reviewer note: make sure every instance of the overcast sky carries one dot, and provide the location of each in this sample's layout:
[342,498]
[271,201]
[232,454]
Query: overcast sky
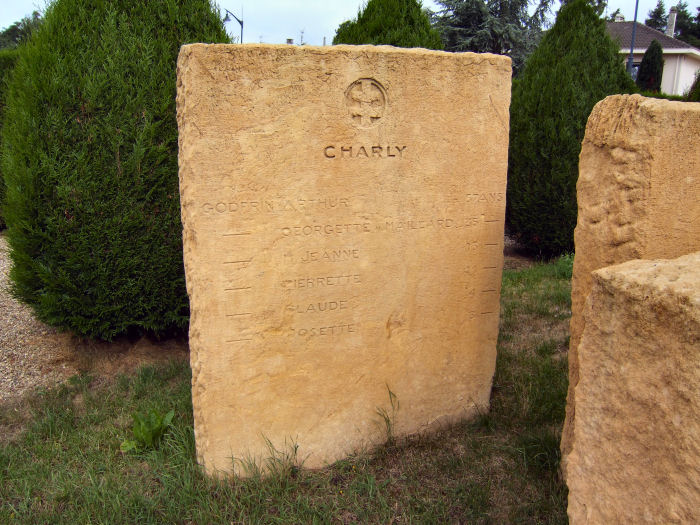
[273,21]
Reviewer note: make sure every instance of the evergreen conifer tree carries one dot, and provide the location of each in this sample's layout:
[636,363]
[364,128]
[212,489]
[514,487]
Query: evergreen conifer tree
[694,91]
[575,66]
[687,27]
[401,23]
[657,17]
[651,69]
[488,26]
[8,57]
[90,160]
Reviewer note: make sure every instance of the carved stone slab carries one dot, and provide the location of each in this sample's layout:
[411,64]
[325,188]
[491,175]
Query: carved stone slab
[636,453]
[637,191]
[343,215]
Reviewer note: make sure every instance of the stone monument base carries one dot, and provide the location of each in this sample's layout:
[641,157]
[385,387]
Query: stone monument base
[636,453]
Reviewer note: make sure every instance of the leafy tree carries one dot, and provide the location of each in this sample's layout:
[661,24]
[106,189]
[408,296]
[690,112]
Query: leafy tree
[597,5]
[651,69]
[657,17]
[20,31]
[490,26]
[575,66]
[400,23]
[612,16]
[687,27]
[89,154]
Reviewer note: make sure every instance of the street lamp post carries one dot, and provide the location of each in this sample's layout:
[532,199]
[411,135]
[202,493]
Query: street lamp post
[228,19]
[630,60]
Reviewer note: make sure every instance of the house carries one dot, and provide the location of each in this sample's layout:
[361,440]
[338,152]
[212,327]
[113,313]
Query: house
[681,60]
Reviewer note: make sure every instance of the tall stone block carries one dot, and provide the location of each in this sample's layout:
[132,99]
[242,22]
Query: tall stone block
[343,217]
[638,188]
[636,450]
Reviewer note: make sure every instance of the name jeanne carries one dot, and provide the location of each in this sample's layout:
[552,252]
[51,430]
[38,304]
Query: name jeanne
[357,152]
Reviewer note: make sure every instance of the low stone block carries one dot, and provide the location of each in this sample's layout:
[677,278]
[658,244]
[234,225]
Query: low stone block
[636,453]
[638,188]
[343,215]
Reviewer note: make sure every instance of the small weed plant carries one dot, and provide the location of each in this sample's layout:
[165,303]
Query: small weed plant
[388,418]
[148,430]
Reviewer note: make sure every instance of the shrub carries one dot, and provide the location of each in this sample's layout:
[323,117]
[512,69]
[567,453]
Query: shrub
[575,66]
[8,57]
[652,68]
[694,92]
[400,23]
[90,157]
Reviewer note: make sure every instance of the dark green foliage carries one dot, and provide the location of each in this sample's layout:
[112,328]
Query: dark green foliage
[687,28]
[657,17]
[694,92]
[652,68]
[612,16]
[491,26]
[8,57]
[597,5]
[90,159]
[19,32]
[400,23]
[575,66]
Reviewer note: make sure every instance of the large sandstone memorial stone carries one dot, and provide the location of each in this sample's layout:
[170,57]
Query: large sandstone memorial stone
[638,198]
[636,453]
[343,215]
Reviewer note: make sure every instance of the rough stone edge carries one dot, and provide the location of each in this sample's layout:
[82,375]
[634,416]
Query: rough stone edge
[618,281]
[500,61]
[188,235]
[604,131]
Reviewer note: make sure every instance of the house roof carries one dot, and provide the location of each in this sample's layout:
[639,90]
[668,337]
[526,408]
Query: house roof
[622,32]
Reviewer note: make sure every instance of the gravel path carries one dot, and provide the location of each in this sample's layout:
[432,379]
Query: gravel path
[31,353]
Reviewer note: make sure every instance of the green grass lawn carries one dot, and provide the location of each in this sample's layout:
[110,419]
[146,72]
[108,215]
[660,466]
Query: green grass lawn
[60,458]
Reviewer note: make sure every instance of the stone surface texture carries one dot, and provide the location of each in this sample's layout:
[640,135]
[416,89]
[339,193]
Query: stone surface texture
[343,213]
[636,453]
[638,189]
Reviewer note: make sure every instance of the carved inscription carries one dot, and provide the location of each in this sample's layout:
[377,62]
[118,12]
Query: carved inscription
[333,330]
[319,307]
[326,229]
[331,255]
[359,152]
[305,294]
[302,283]
[366,101]
[272,205]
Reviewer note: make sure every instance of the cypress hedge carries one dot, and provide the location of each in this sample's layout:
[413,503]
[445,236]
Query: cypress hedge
[575,66]
[400,23]
[8,57]
[90,160]
[652,68]
[694,91]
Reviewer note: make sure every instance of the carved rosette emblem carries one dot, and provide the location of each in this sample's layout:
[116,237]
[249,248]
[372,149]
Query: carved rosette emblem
[366,102]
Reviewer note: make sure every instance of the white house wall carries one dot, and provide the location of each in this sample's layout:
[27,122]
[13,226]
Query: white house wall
[679,69]
[689,65]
